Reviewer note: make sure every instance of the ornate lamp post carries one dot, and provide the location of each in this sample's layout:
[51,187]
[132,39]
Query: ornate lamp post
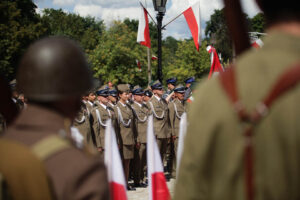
[160,7]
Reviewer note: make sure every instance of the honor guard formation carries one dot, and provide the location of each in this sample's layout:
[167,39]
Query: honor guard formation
[243,130]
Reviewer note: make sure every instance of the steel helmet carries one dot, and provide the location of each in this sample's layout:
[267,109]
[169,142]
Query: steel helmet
[52,69]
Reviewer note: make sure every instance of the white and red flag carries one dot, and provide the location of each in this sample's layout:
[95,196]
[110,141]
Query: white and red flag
[138,63]
[216,66]
[113,164]
[192,16]
[143,36]
[257,44]
[153,57]
[158,189]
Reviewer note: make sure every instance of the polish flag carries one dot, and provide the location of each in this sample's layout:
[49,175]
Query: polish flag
[113,164]
[182,134]
[158,189]
[257,44]
[153,57]
[143,36]
[139,65]
[216,66]
[192,16]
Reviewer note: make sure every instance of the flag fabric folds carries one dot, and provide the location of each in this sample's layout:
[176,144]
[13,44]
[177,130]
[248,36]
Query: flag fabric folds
[158,189]
[113,164]
[182,133]
[216,66]
[257,44]
[192,16]
[139,65]
[143,36]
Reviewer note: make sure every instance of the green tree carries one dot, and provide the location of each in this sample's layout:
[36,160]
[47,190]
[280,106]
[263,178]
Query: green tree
[114,59]
[217,32]
[85,30]
[189,62]
[258,23]
[20,26]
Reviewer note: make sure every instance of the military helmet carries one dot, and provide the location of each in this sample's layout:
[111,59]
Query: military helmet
[53,69]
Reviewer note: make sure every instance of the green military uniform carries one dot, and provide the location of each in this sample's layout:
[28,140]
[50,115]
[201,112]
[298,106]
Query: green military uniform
[212,162]
[82,123]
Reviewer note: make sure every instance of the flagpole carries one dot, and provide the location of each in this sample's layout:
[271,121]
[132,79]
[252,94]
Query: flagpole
[148,14]
[172,20]
[148,57]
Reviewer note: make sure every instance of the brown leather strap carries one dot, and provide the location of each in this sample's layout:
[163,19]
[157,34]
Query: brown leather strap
[286,81]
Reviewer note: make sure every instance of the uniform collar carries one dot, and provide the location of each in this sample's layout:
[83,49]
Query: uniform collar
[104,106]
[41,118]
[140,105]
[158,98]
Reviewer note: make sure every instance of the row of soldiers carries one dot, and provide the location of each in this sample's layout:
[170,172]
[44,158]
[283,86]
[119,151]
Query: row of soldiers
[129,109]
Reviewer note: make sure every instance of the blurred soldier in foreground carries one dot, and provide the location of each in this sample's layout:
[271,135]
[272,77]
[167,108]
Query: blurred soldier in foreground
[46,77]
[176,109]
[228,154]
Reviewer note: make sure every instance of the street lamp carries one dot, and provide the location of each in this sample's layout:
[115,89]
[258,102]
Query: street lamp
[160,7]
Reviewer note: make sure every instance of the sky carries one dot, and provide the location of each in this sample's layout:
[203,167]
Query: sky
[109,10]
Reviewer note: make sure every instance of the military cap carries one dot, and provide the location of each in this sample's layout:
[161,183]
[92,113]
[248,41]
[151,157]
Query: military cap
[123,88]
[179,89]
[103,91]
[148,93]
[189,80]
[156,85]
[172,81]
[113,92]
[137,90]
[13,84]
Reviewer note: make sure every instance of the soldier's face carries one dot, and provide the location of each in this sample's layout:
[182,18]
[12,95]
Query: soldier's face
[146,98]
[170,86]
[103,100]
[180,96]
[124,96]
[158,92]
[112,99]
[138,98]
[91,97]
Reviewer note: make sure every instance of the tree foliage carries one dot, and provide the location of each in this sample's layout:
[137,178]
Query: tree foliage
[85,30]
[189,62]
[114,58]
[258,23]
[19,27]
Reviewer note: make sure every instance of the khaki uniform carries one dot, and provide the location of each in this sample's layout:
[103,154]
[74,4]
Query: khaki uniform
[161,123]
[73,174]
[125,129]
[99,123]
[212,162]
[176,109]
[142,113]
[82,123]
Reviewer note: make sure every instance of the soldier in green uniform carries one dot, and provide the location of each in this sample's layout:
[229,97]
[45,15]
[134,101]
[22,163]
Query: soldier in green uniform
[125,129]
[213,161]
[46,77]
[161,123]
[171,83]
[100,114]
[176,109]
[142,113]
